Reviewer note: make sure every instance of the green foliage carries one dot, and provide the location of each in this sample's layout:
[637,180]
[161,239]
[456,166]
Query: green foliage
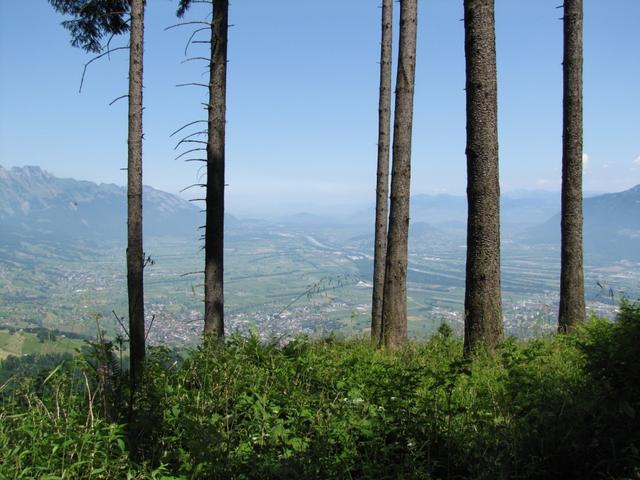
[612,354]
[54,426]
[557,407]
[93,20]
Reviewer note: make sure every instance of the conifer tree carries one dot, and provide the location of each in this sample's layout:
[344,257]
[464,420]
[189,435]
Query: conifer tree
[394,308]
[572,307]
[382,176]
[482,302]
[216,119]
[91,22]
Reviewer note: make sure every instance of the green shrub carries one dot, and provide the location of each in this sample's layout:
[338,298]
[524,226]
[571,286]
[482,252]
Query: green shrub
[563,406]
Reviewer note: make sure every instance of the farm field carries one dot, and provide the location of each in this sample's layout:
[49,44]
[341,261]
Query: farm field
[283,280]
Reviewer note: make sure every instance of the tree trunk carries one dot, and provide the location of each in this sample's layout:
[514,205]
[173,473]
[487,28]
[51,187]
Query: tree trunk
[214,229]
[482,303]
[394,309]
[572,307]
[382,185]
[135,255]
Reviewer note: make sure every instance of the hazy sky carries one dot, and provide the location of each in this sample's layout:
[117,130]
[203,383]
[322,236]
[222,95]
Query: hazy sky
[303,93]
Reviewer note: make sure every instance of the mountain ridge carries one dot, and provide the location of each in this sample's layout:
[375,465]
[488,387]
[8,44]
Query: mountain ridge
[611,226]
[35,203]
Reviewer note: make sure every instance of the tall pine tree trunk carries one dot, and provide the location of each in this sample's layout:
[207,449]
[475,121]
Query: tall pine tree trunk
[394,309]
[214,229]
[482,303]
[382,184]
[572,307]
[135,255]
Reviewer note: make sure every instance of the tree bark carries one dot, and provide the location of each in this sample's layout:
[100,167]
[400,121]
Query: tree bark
[382,184]
[572,305]
[214,228]
[135,255]
[483,304]
[394,309]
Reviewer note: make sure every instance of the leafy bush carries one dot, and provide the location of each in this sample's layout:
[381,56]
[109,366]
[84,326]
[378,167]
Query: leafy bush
[556,407]
[51,427]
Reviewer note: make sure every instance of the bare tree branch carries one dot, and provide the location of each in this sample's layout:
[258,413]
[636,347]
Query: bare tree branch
[192,84]
[193,34]
[84,70]
[107,46]
[119,98]
[187,125]
[202,142]
[182,24]
[201,272]
[124,329]
[153,317]
[186,138]
[193,185]
[200,132]
[189,151]
[191,59]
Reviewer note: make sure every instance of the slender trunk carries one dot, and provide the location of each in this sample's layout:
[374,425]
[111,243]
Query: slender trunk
[214,229]
[394,309]
[482,303]
[382,184]
[572,307]
[135,255]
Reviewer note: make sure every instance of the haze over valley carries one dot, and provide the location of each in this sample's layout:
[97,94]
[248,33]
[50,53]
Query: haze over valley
[62,245]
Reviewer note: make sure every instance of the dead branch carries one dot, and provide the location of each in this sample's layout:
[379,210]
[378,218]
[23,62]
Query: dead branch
[193,34]
[193,185]
[202,142]
[192,84]
[186,138]
[200,132]
[119,98]
[107,45]
[146,335]
[124,329]
[182,24]
[189,151]
[187,125]
[97,57]
[191,59]
[201,272]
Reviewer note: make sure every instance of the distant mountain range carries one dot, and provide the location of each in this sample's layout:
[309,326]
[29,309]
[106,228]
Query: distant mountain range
[36,205]
[519,211]
[611,226]
[611,220]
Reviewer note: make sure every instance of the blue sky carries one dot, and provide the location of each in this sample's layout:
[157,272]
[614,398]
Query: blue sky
[302,99]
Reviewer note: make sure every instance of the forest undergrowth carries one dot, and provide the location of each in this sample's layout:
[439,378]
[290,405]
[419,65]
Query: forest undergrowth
[562,406]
